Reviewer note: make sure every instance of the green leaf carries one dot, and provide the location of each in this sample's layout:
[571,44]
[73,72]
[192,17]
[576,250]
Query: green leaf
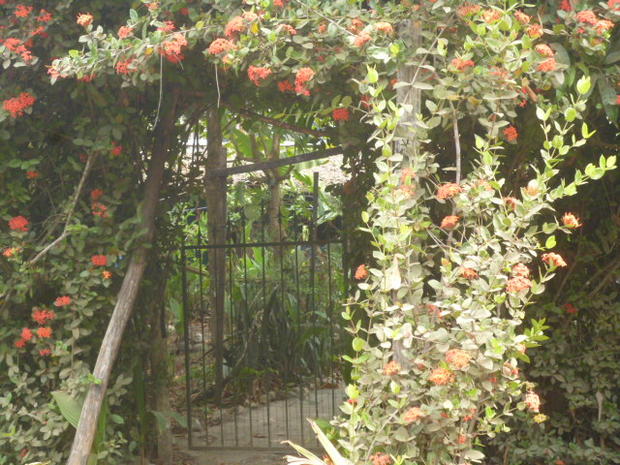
[473,455]
[583,85]
[372,76]
[358,344]
[550,243]
[69,407]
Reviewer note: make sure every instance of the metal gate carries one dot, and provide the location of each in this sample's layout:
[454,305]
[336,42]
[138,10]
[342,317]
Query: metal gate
[275,361]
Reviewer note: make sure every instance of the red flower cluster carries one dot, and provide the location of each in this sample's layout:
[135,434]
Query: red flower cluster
[43,316]
[286,86]
[522,17]
[448,190]
[125,66]
[219,46]
[19,223]
[17,105]
[449,222]
[32,174]
[62,301]
[570,308]
[168,26]
[96,194]
[99,209]
[99,260]
[468,9]
[302,77]
[234,27]
[544,50]
[116,149]
[289,29]
[547,65]
[340,114]
[44,332]
[361,272]
[44,16]
[125,32]
[22,11]
[172,49]
[535,31]
[362,39]
[17,46]
[511,133]
[258,74]
[461,64]
[553,259]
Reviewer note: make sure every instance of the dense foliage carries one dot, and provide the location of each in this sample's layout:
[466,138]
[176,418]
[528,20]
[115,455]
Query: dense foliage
[460,223]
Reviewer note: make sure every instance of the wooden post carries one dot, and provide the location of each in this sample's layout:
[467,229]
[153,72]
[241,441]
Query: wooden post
[85,434]
[215,196]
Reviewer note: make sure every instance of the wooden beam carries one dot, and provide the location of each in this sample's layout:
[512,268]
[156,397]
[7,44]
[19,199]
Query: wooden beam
[264,165]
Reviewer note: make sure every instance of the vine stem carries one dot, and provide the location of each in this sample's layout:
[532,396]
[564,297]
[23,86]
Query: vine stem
[65,231]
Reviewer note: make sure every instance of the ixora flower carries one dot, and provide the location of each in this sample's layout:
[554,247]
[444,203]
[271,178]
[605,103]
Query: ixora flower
[441,376]
[19,223]
[361,272]
[521,270]
[448,190]
[99,260]
[26,334]
[511,133]
[258,74]
[518,284]
[44,332]
[340,114]
[460,64]
[570,309]
[532,401]
[84,19]
[469,273]
[553,259]
[42,316]
[62,301]
[458,359]
[449,222]
[413,414]
[219,46]
[570,221]
[391,368]
[302,77]
[381,459]
[124,32]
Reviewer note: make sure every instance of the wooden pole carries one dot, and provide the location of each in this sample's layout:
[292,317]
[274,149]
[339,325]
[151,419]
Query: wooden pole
[215,195]
[85,434]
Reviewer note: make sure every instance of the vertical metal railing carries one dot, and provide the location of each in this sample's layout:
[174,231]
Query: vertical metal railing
[278,286]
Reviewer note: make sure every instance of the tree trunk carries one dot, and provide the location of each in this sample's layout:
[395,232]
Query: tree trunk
[160,377]
[84,436]
[215,195]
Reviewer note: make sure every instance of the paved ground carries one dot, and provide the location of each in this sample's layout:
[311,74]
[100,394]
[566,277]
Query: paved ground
[260,426]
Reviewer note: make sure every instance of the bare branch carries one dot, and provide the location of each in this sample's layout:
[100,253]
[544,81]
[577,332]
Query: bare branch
[65,231]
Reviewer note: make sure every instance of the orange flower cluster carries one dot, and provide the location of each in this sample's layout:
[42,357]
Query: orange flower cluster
[288,28]
[15,45]
[19,223]
[43,316]
[570,221]
[62,301]
[84,19]
[286,86]
[9,251]
[458,359]
[518,284]
[172,49]
[413,414]
[469,273]
[258,74]
[125,32]
[449,222]
[491,15]
[468,9]
[522,17]
[544,50]
[219,46]
[22,11]
[234,27]
[381,459]
[532,401]
[16,106]
[448,190]
[384,27]
[547,65]
[125,66]
[362,39]
[99,209]
[535,31]
[302,77]
[44,332]
[441,376]
[96,194]
[168,26]
[391,368]
[521,270]
[511,133]
[461,64]
[553,259]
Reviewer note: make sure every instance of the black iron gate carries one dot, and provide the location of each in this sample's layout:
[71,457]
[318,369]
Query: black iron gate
[279,335]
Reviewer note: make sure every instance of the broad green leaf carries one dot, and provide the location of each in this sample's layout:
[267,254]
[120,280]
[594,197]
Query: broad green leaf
[68,406]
